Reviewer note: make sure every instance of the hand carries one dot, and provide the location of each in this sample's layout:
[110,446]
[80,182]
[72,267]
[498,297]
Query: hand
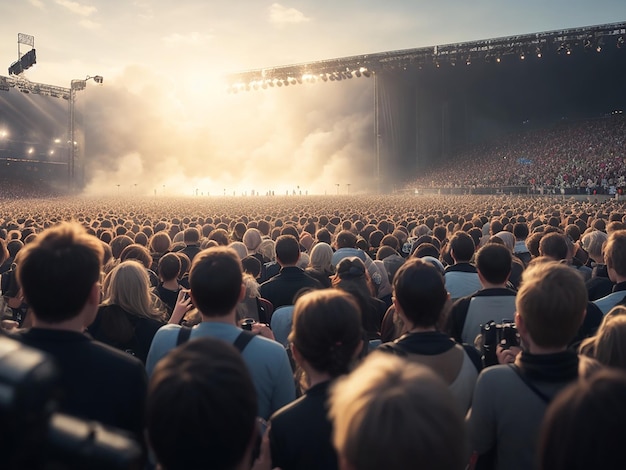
[264,461]
[263,329]
[507,356]
[183,305]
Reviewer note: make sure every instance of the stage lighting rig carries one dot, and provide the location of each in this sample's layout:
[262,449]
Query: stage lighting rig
[26,60]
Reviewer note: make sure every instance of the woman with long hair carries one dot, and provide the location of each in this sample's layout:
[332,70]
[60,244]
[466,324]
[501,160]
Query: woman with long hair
[130,313]
[352,278]
[325,340]
[320,266]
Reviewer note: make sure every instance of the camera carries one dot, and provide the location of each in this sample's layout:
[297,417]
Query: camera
[246,324]
[34,436]
[494,334]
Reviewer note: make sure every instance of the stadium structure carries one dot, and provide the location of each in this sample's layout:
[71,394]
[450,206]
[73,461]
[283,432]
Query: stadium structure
[427,101]
[432,100]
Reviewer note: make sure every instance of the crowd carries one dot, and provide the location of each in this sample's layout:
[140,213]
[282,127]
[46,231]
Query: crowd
[585,156]
[354,332]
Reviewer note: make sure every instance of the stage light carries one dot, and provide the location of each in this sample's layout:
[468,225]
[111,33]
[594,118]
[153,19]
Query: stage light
[469,60]
[498,59]
[538,52]
[522,56]
[620,42]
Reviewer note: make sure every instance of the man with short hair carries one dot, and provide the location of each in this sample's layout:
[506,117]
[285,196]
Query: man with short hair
[510,400]
[201,408]
[495,301]
[281,289]
[191,237]
[59,274]
[216,282]
[615,259]
[461,277]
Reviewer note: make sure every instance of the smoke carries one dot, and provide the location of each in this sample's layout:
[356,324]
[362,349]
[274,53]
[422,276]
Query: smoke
[154,134]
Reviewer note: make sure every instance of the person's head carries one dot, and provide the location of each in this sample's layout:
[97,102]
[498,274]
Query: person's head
[554,246]
[59,273]
[169,267]
[593,243]
[551,304]
[138,253]
[493,262]
[419,292]
[321,256]
[160,242]
[461,247]
[287,250]
[583,427]
[128,286]
[608,344]
[252,239]
[191,236]
[615,255]
[252,266]
[520,231]
[201,407]
[326,331]
[346,239]
[216,281]
[119,243]
[421,422]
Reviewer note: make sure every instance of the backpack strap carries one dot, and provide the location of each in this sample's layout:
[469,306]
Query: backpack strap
[243,339]
[240,342]
[545,398]
[183,335]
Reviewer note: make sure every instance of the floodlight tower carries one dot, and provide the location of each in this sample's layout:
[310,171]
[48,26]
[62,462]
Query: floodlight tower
[75,86]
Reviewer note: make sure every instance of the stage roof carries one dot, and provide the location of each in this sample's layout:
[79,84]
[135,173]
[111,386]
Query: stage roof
[568,41]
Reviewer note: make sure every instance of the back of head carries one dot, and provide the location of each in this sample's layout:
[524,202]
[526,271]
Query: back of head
[552,301]
[520,230]
[462,247]
[128,286]
[169,267]
[191,236]
[138,253]
[422,424]
[287,250]
[216,280]
[201,407]
[321,256]
[346,239]
[419,290]
[493,262]
[118,244]
[615,252]
[553,245]
[58,270]
[252,239]
[160,242]
[593,243]
[584,426]
[326,330]
[610,340]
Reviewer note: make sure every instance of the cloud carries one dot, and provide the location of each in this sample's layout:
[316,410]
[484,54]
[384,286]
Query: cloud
[190,39]
[37,4]
[77,8]
[281,15]
[88,24]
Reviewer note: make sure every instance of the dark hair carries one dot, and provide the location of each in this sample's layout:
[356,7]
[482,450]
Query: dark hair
[58,270]
[201,407]
[462,247]
[327,330]
[118,244]
[323,235]
[583,426]
[520,230]
[215,279]
[169,266]
[251,265]
[287,250]
[493,261]
[137,252]
[419,289]
[553,245]
[191,235]
[346,239]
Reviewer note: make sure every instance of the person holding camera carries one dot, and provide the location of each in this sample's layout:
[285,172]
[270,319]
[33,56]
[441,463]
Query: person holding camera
[510,400]
[216,281]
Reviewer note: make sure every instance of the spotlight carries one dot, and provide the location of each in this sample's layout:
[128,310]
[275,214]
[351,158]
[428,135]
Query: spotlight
[620,42]
[522,56]
[498,59]
[469,60]
[538,52]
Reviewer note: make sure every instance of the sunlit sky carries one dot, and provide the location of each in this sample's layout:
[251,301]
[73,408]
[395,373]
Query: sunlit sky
[163,104]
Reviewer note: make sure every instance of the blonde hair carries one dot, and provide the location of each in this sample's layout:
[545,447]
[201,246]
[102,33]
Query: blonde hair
[321,257]
[608,346]
[128,286]
[391,403]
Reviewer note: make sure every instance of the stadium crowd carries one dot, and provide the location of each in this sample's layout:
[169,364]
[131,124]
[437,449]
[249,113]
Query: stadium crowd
[322,332]
[586,156]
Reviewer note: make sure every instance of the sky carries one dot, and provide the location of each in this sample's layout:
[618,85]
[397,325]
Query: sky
[162,119]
